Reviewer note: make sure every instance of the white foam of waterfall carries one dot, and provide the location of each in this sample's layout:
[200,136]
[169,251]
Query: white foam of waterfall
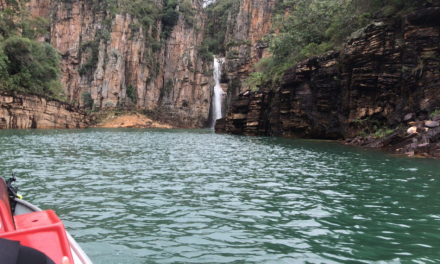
[218,92]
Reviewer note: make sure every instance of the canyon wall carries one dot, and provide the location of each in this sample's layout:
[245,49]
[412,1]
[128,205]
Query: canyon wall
[244,44]
[105,53]
[30,111]
[244,37]
[109,55]
[386,71]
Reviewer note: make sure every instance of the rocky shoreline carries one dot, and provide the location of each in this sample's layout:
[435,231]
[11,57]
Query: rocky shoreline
[418,138]
[26,111]
[20,111]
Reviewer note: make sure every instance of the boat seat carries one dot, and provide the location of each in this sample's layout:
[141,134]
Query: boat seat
[41,230]
[6,220]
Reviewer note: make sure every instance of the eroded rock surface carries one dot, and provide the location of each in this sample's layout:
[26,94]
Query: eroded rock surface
[30,111]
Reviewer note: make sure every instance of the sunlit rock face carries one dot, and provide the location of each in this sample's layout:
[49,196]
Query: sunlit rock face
[103,54]
[30,111]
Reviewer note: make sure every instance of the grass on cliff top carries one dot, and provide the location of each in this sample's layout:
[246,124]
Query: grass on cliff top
[303,29]
[148,12]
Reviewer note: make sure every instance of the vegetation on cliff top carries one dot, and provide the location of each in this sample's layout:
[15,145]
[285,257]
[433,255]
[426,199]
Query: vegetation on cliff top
[216,27]
[149,12]
[307,28]
[26,65]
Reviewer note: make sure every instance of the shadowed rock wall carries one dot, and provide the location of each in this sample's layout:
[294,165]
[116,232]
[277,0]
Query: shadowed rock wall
[386,71]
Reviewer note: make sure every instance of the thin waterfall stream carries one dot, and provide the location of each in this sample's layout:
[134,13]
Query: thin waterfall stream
[218,92]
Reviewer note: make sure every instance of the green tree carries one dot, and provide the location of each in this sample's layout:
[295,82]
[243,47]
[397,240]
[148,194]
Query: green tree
[306,28]
[188,11]
[217,13]
[27,65]
[131,93]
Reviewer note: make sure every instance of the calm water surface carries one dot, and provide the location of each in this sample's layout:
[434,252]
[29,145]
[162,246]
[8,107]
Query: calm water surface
[190,196]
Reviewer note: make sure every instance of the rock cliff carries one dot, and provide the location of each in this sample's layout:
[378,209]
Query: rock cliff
[244,38]
[118,60]
[105,53]
[30,111]
[246,27]
[386,71]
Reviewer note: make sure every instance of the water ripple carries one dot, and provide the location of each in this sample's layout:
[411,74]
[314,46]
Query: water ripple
[190,196]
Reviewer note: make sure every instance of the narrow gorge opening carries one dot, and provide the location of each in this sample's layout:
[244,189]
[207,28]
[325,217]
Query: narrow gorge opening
[217,96]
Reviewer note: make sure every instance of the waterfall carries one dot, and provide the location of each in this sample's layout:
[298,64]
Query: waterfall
[216,112]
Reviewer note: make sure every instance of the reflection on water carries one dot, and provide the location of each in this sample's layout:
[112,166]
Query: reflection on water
[190,196]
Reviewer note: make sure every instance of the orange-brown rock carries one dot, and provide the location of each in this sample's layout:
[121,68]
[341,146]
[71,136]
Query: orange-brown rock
[31,111]
[103,54]
[191,78]
[129,120]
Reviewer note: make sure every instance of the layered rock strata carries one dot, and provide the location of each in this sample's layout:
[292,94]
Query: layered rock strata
[386,71]
[31,111]
[105,54]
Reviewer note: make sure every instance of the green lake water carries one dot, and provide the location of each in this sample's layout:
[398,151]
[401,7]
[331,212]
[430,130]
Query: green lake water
[191,196]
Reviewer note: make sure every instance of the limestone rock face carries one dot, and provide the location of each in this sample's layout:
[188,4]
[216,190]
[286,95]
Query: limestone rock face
[30,111]
[387,72]
[246,32]
[104,54]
